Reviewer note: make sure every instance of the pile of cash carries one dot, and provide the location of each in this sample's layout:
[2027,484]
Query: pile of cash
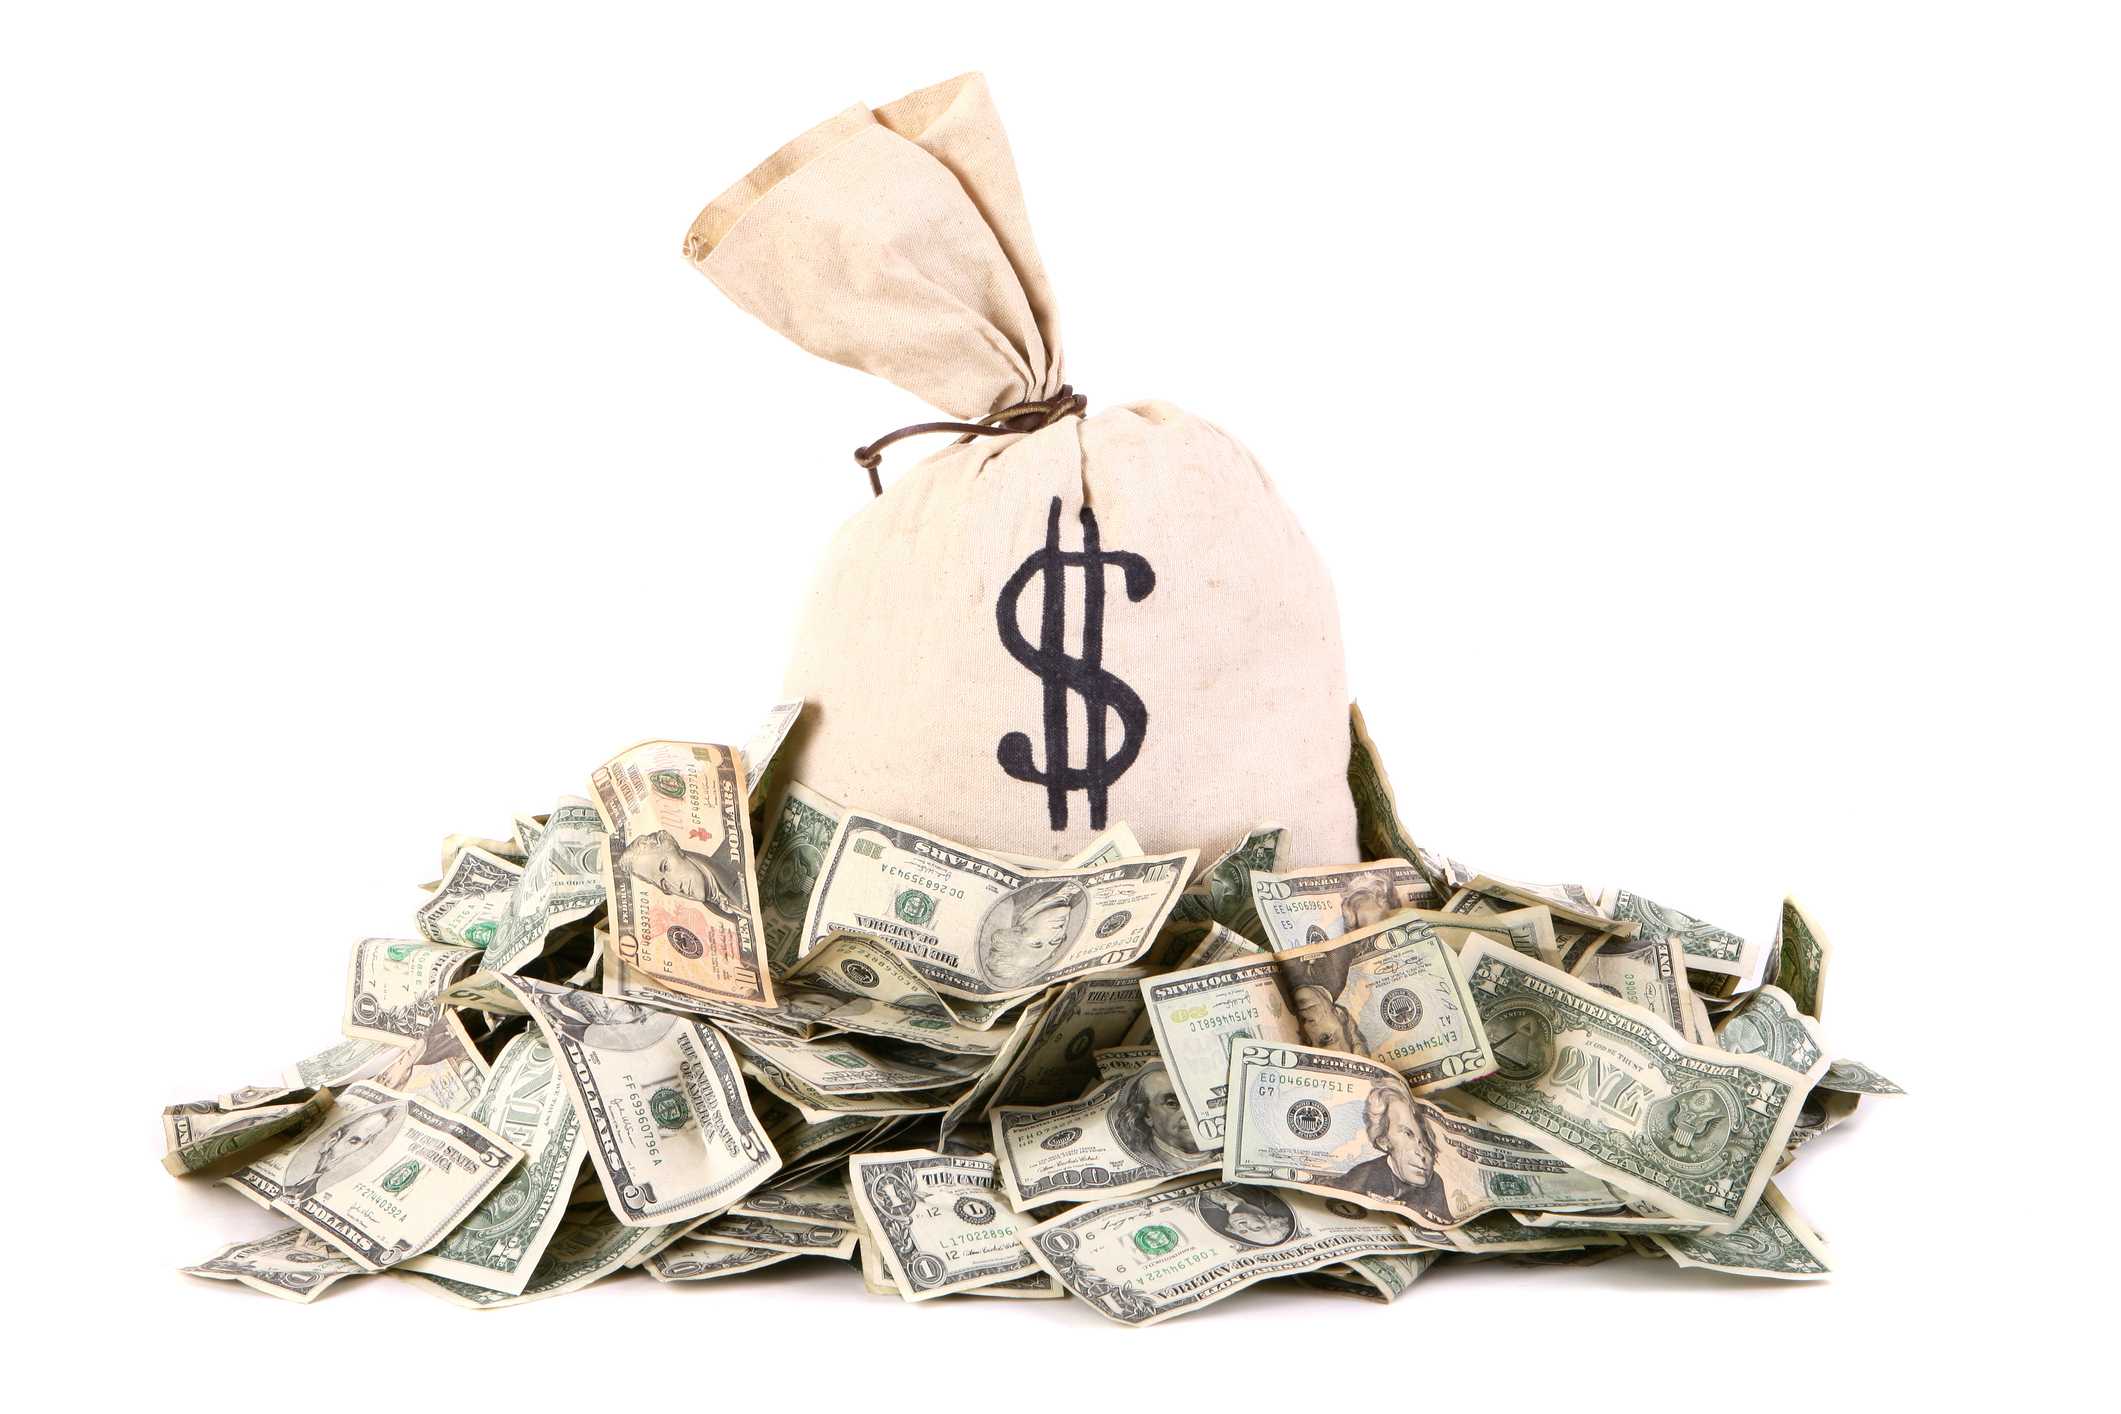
[624,1038]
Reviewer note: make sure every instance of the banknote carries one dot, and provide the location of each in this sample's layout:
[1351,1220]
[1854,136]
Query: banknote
[589,1244]
[780,1234]
[523,837]
[840,1065]
[1115,1061]
[1378,831]
[1216,944]
[388,1181]
[292,1264]
[759,751]
[1855,1078]
[441,1066]
[1125,1135]
[1706,947]
[981,928]
[852,983]
[1223,891]
[1198,1014]
[467,907]
[1343,1126]
[1580,929]
[678,870]
[562,882]
[1393,992]
[1773,1241]
[1649,972]
[1385,1277]
[1085,1016]
[1694,1130]
[262,1175]
[693,1260]
[394,987]
[1768,1024]
[672,1132]
[1308,906]
[1148,1258]
[938,1221]
[1801,952]
[797,840]
[817,1200]
[203,1133]
[1021,1034]
[526,1102]
[1528,930]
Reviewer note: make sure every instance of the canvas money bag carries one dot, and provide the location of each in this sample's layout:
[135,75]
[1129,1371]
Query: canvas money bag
[1091,619]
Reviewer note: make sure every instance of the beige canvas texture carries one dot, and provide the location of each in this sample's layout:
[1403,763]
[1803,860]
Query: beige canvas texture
[1027,636]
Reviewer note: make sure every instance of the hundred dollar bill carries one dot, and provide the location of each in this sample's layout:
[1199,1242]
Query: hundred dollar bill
[1706,947]
[938,1221]
[588,1245]
[1198,1014]
[290,1264]
[1694,1130]
[527,1103]
[394,988]
[693,1260]
[468,905]
[1223,892]
[1800,955]
[1377,829]
[1309,906]
[672,1132]
[1126,1135]
[781,1235]
[1768,1024]
[1394,993]
[562,883]
[1773,1241]
[980,928]
[1344,1126]
[203,1133]
[388,1181]
[759,752]
[800,836]
[679,870]
[1146,1259]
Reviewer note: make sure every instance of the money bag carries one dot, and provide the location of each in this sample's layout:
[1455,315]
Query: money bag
[1083,620]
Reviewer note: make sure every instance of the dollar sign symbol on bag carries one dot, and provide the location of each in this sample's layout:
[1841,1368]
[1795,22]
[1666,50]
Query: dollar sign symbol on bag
[1063,672]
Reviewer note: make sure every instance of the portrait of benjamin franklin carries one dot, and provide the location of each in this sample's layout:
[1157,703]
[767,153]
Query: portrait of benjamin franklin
[606,1023]
[1028,931]
[1405,1169]
[1149,1122]
[342,1150]
[1247,1215]
[710,880]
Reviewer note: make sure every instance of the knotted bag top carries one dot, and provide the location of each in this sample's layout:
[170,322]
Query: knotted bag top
[894,240]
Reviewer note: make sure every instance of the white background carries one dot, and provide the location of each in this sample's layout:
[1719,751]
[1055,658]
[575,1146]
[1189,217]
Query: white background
[1709,414]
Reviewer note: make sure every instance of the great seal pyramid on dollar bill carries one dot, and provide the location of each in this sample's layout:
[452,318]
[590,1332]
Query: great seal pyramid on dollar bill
[995,963]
